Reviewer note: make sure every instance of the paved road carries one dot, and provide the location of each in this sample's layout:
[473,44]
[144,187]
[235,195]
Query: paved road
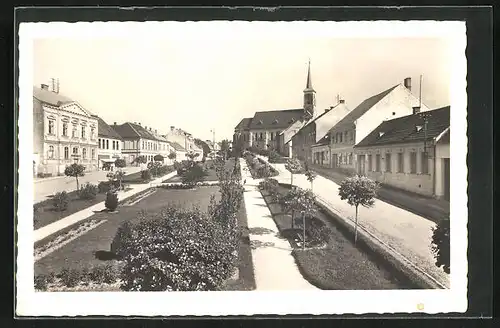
[47,187]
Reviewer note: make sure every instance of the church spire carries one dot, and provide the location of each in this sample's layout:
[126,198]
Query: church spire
[309,83]
[309,93]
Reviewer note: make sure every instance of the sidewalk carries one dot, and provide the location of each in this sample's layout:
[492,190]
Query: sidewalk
[427,207]
[407,233]
[274,265]
[52,228]
[49,186]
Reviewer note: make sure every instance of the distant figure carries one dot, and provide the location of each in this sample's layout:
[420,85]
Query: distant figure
[245,181]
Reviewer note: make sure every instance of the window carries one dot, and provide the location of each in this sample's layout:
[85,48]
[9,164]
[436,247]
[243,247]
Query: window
[99,143]
[84,153]
[66,152]
[401,163]
[349,158]
[142,144]
[83,132]
[272,136]
[51,127]
[113,144]
[260,136]
[340,135]
[377,163]
[51,152]
[352,135]
[388,167]
[107,144]
[425,163]
[93,153]
[345,136]
[92,133]
[369,163]
[74,132]
[75,150]
[65,129]
[413,162]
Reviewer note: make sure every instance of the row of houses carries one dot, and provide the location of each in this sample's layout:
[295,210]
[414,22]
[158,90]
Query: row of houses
[391,137]
[64,133]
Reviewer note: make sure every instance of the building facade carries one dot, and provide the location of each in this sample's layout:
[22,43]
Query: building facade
[392,103]
[109,145]
[63,133]
[274,129]
[315,130]
[410,153]
[137,141]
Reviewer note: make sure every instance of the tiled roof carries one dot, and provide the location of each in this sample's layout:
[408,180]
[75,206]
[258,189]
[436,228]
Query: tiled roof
[104,130]
[132,130]
[362,108]
[51,98]
[276,119]
[356,113]
[176,146]
[243,123]
[409,128]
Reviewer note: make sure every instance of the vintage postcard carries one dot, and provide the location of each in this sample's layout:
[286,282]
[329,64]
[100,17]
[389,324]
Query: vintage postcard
[219,168]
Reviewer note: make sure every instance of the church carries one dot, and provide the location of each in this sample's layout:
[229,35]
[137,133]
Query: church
[274,129]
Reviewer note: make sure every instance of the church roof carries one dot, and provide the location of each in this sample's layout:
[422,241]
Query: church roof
[243,123]
[276,119]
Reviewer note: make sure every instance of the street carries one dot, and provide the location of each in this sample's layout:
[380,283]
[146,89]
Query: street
[45,188]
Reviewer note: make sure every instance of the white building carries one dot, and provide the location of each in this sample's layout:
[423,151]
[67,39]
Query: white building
[336,149]
[63,133]
[410,153]
[110,145]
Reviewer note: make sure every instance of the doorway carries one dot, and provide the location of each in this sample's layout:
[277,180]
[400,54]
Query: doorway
[446,177]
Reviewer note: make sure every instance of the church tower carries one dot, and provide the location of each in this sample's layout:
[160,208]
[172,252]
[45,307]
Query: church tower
[309,94]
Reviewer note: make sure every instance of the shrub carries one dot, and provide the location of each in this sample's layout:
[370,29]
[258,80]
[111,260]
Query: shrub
[146,175]
[111,202]
[88,191]
[60,201]
[42,281]
[441,244]
[103,274]
[193,175]
[177,250]
[70,277]
[274,157]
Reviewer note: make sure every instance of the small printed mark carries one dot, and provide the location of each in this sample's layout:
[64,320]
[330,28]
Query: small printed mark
[420,306]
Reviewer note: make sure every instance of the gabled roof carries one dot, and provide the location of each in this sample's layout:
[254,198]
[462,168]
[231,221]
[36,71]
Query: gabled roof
[51,98]
[104,130]
[276,119]
[132,130]
[409,128]
[243,123]
[176,146]
[362,108]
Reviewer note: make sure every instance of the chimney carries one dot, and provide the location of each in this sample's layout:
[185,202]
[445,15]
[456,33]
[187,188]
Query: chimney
[172,128]
[140,124]
[45,86]
[407,83]
[341,101]
[114,123]
[416,109]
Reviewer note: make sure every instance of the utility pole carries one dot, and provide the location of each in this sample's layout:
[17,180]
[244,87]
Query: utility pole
[420,96]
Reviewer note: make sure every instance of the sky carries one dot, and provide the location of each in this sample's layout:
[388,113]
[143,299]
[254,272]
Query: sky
[205,82]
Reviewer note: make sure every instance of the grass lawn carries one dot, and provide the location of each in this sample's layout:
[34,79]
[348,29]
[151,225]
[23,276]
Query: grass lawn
[135,178]
[46,215]
[93,247]
[246,279]
[341,264]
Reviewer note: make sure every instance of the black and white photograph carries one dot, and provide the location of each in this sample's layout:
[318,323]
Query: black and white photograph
[239,168]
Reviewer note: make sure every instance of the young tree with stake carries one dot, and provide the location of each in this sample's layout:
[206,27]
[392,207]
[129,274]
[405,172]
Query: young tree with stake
[120,164]
[311,175]
[358,190]
[75,170]
[293,165]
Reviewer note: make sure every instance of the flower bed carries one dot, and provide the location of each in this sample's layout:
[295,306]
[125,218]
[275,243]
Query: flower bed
[139,177]
[259,168]
[339,264]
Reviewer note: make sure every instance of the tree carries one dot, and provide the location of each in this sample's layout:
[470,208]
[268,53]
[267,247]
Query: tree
[140,160]
[302,201]
[358,190]
[203,145]
[192,155]
[158,158]
[225,147]
[120,163]
[311,175]
[293,165]
[172,155]
[75,170]
[441,244]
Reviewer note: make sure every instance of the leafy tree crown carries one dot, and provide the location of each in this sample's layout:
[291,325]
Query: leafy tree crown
[75,170]
[293,165]
[358,190]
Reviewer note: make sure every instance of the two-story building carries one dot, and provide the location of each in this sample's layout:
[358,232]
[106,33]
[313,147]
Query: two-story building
[110,145]
[63,133]
[410,153]
[274,129]
[336,149]
[137,141]
[314,130]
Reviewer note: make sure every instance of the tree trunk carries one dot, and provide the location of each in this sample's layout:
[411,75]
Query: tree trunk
[303,231]
[293,214]
[356,227]
[77,183]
